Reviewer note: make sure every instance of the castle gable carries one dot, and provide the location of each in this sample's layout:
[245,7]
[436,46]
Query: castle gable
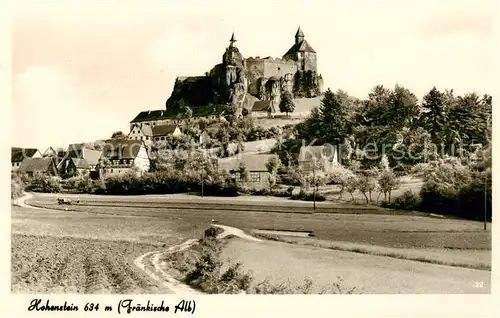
[300,47]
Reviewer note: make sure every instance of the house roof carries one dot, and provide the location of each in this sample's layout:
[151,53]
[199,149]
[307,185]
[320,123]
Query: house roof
[92,156]
[81,163]
[145,129]
[150,115]
[163,130]
[312,153]
[261,106]
[302,46]
[19,154]
[253,162]
[121,149]
[36,164]
[49,151]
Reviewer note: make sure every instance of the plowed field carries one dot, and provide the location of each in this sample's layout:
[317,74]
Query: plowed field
[69,265]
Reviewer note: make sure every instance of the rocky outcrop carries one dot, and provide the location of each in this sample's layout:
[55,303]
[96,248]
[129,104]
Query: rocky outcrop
[238,82]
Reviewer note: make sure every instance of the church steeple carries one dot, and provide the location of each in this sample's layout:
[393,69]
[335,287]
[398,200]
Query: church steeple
[232,40]
[299,36]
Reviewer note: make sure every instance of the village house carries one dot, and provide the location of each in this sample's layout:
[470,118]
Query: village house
[152,118]
[124,156]
[86,165]
[160,132]
[38,166]
[17,156]
[78,160]
[263,108]
[141,132]
[323,158]
[255,165]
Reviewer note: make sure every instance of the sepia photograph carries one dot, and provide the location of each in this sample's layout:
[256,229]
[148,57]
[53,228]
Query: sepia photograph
[251,147]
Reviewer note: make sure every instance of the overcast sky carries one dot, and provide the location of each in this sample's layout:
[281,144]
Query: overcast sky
[83,70]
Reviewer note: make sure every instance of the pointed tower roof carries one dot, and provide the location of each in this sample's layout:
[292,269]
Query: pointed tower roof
[232,40]
[299,33]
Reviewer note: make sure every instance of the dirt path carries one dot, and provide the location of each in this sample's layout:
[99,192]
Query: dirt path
[22,202]
[150,262]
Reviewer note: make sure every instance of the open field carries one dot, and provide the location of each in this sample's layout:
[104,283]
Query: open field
[132,226]
[370,274]
[375,227]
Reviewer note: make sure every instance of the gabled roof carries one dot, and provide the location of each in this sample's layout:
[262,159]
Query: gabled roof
[19,154]
[49,151]
[253,162]
[80,163]
[121,149]
[262,106]
[146,129]
[36,164]
[150,115]
[163,130]
[303,46]
[92,156]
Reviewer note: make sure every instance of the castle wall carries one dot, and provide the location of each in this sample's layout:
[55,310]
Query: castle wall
[310,62]
[278,68]
[269,67]
[255,70]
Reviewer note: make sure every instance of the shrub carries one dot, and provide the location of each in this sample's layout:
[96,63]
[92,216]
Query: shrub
[45,184]
[213,231]
[16,186]
[407,201]
[302,195]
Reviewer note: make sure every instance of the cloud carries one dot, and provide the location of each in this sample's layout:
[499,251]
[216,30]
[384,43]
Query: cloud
[470,20]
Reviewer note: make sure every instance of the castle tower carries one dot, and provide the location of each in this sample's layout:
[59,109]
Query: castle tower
[232,40]
[302,53]
[232,56]
[299,36]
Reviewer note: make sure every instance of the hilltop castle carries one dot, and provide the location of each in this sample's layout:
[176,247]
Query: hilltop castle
[242,82]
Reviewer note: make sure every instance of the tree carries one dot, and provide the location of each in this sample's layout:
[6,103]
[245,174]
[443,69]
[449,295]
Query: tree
[333,114]
[243,172]
[340,177]
[366,185]
[387,182]
[351,185]
[273,166]
[286,104]
[118,135]
[435,117]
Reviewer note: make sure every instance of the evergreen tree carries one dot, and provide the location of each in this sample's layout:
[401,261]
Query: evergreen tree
[333,114]
[286,104]
[435,116]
